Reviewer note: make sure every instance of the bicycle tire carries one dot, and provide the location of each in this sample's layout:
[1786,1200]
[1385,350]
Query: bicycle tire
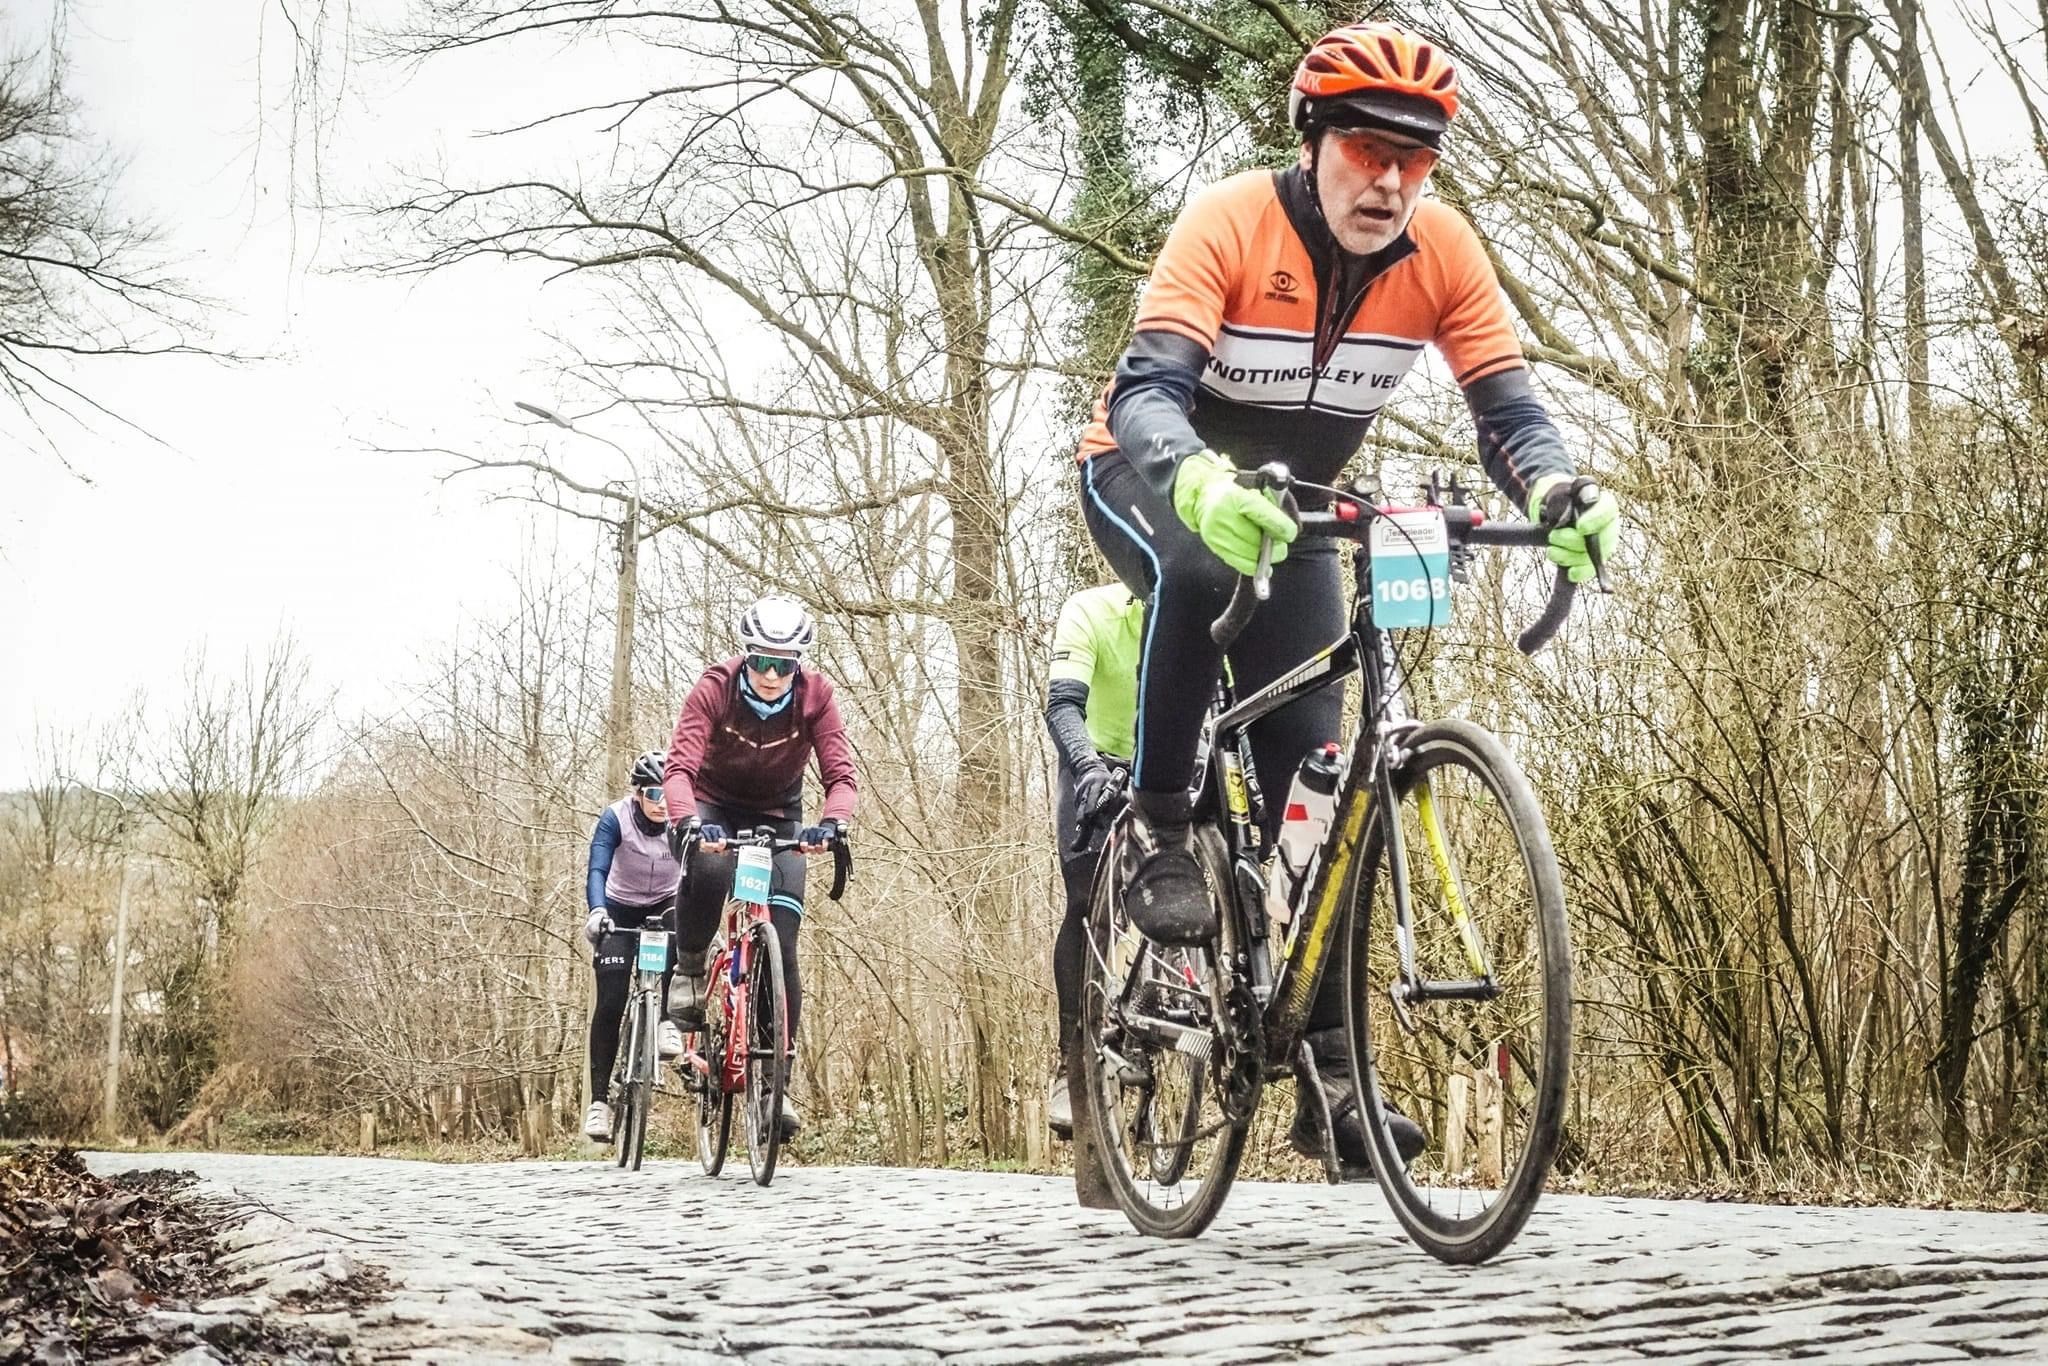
[766,1015]
[633,1118]
[1169,1161]
[1161,1209]
[650,1070]
[714,1102]
[1431,1205]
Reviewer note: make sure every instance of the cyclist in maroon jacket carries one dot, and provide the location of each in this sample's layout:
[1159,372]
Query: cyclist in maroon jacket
[746,733]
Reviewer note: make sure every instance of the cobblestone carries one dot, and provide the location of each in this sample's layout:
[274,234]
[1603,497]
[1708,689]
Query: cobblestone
[581,1262]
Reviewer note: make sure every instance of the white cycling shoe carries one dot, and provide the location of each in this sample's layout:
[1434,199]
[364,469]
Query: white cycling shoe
[597,1122]
[671,1045]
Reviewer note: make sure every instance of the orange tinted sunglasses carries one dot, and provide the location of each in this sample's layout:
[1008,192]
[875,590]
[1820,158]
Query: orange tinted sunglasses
[1367,152]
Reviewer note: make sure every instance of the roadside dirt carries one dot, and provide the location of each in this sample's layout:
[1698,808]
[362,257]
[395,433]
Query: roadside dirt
[131,1270]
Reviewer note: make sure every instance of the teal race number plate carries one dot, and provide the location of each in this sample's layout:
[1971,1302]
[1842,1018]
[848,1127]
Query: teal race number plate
[653,951]
[751,875]
[1411,569]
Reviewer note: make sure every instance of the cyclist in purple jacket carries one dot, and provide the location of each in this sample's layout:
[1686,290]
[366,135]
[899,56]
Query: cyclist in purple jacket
[633,876]
[747,732]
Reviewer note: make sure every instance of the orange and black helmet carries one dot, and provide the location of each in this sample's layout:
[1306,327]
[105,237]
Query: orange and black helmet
[1375,75]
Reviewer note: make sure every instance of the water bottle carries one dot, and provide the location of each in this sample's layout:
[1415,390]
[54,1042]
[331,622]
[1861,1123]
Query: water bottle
[1311,806]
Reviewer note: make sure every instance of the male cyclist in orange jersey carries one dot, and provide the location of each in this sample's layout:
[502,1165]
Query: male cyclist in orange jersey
[1282,312]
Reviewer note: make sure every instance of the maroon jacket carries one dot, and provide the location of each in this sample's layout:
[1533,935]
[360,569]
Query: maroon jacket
[723,752]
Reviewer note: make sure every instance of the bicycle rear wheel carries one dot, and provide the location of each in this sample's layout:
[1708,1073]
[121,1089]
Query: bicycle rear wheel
[765,1017]
[1169,1124]
[638,1085]
[1483,1073]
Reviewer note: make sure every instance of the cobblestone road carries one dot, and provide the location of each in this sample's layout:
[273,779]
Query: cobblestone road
[853,1266]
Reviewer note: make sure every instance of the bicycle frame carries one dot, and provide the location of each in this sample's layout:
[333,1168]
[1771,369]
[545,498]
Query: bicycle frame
[729,969]
[1286,992]
[732,967]
[645,994]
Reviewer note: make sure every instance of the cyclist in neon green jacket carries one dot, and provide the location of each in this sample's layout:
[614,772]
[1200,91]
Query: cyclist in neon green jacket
[1091,708]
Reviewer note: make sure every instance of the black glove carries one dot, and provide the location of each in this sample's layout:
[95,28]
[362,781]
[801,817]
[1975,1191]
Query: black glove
[680,834]
[1091,789]
[816,836]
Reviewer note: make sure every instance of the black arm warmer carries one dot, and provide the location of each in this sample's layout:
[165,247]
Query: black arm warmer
[1518,443]
[1066,716]
[1150,402]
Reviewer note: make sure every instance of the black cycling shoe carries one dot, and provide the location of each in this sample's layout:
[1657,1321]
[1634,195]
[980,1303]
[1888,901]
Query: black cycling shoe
[1164,892]
[1333,1066]
[1059,1108]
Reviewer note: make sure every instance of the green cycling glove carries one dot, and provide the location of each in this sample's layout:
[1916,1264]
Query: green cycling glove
[1552,501]
[1227,516]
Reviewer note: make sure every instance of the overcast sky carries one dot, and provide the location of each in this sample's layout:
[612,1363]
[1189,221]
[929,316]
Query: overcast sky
[263,511]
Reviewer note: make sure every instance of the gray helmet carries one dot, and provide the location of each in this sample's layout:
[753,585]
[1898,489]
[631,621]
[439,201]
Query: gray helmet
[648,767]
[777,624]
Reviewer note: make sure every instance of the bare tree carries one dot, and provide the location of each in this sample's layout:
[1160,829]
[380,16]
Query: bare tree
[218,778]
[79,280]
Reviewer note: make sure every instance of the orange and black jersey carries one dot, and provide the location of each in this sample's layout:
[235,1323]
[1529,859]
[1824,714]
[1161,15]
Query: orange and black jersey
[1258,338]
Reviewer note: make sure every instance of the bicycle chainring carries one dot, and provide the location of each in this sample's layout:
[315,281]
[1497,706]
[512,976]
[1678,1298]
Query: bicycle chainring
[1243,1054]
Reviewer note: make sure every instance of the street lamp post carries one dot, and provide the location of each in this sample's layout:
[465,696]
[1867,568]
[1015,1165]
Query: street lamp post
[617,742]
[110,1101]
[110,1095]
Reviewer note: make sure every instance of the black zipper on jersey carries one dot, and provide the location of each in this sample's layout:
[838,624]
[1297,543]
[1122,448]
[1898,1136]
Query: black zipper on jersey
[1298,200]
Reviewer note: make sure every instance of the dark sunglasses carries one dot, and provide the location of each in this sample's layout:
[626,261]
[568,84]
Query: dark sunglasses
[771,664]
[652,794]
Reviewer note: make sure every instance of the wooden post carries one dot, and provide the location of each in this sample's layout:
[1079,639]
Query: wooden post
[1034,1130]
[366,1131]
[1488,1097]
[535,1129]
[1454,1124]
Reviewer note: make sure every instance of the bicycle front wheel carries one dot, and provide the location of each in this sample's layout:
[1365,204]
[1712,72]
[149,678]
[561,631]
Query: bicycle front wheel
[765,1017]
[714,1102]
[637,1087]
[1474,1047]
[1158,1025]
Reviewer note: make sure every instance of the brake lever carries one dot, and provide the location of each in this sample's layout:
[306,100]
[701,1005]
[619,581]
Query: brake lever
[1587,496]
[1599,559]
[1262,576]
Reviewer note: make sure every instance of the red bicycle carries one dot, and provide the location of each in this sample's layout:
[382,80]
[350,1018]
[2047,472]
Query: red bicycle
[743,1047]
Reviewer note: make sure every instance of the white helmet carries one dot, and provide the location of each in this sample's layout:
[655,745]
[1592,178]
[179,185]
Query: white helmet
[777,624]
